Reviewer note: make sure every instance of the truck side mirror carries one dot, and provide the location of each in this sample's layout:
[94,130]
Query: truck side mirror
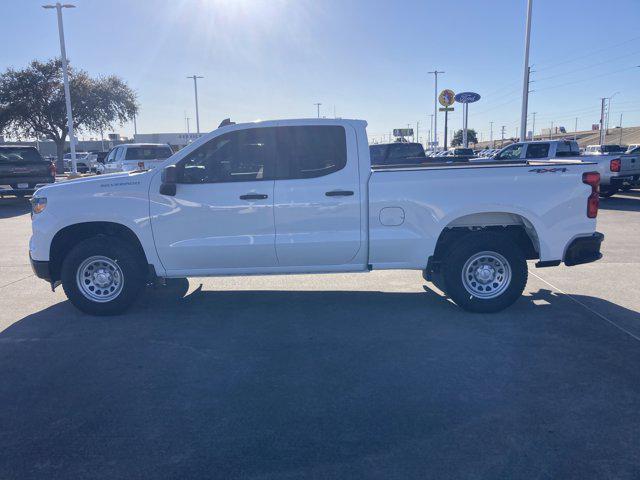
[169,177]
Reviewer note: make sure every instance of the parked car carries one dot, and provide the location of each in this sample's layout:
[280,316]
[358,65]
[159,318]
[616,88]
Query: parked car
[604,149]
[301,196]
[94,159]
[23,170]
[83,164]
[617,170]
[397,153]
[135,156]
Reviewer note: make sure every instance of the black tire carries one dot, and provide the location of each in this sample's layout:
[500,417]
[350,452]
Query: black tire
[133,274]
[463,250]
[606,192]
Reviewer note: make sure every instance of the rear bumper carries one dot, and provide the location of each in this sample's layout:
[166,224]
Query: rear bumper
[584,250]
[41,268]
[33,184]
[627,179]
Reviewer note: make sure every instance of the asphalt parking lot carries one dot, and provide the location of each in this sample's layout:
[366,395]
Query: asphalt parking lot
[333,376]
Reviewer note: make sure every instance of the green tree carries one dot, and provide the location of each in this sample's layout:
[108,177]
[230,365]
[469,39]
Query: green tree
[32,102]
[471,137]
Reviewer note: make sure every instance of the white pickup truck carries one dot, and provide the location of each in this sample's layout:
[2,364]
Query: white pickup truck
[617,170]
[300,196]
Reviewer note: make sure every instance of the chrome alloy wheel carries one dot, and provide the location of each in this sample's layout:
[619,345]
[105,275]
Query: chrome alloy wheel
[100,279]
[486,275]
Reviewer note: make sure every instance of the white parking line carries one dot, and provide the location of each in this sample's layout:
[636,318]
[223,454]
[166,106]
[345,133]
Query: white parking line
[608,320]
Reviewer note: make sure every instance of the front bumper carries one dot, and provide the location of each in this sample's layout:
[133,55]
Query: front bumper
[584,250]
[41,268]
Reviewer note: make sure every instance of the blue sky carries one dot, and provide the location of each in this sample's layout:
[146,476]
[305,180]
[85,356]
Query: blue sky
[265,59]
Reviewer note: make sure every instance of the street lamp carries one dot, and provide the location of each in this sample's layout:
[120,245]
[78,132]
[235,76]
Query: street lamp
[65,77]
[525,77]
[195,89]
[318,108]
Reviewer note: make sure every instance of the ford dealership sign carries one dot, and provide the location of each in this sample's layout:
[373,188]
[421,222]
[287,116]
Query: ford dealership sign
[467,97]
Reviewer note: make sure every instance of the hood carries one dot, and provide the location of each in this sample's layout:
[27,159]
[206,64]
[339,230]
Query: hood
[94,182]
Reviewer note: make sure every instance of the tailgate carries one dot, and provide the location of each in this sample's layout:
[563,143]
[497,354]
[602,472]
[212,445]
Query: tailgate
[630,165]
[24,169]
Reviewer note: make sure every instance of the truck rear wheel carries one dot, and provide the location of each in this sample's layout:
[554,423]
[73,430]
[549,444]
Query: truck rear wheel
[484,272]
[103,275]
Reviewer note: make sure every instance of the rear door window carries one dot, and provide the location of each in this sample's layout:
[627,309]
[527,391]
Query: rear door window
[537,150]
[310,151]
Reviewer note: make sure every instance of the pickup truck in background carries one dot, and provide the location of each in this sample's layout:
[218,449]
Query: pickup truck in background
[617,170]
[397,153]
[129,157]
[23,170]
[301,196]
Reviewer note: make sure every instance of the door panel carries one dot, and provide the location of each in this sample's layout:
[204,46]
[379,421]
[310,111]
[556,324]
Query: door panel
[222,214]
[317,217]
[208,226]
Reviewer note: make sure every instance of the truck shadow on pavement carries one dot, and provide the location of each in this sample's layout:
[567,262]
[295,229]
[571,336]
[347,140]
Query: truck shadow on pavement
[14,207]
[624,201]
[271,384]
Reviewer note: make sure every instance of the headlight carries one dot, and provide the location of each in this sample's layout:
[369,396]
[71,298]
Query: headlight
[38,204]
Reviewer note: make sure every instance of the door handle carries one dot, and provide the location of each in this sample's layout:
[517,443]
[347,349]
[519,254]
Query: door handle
[339,193]
[254,196]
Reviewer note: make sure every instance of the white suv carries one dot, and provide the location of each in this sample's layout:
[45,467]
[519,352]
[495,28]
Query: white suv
[135,156]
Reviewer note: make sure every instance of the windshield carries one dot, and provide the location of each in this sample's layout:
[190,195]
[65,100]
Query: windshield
[377,153]
[19,154]
[148,153]
[406,150]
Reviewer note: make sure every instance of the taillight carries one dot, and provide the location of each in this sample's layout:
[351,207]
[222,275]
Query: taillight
[52,169]
[593,202]
[614,166]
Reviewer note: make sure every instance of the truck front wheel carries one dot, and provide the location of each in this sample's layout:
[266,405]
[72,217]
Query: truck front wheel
[484,272]
[102,275]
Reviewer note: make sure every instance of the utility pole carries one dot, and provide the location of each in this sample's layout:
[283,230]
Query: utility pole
[65,78]
[135,126]
[609,110]
[186,119]
[516,137]
[602,100]
[551,131]
[525,79]
[620,142]
[430,133]
[435,107]
[533,126]
[491,135]
[575,129]
[195,89]
[417,138]
[318,107]
[502,139]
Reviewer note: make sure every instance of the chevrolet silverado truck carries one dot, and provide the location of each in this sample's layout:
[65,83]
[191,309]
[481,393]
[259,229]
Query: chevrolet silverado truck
[618,170]
[301,196]
[23,170]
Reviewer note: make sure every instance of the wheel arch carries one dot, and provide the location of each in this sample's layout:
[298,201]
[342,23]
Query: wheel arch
[68,237]
[516,226]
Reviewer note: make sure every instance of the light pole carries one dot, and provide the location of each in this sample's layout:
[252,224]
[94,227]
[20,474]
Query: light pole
[435,109]
[318,108]
[620,142]
[195,89]
[65,77]
[525,79]
[491,135]
[533,126]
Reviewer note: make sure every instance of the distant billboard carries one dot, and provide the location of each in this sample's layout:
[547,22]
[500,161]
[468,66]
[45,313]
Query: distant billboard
[403,132]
